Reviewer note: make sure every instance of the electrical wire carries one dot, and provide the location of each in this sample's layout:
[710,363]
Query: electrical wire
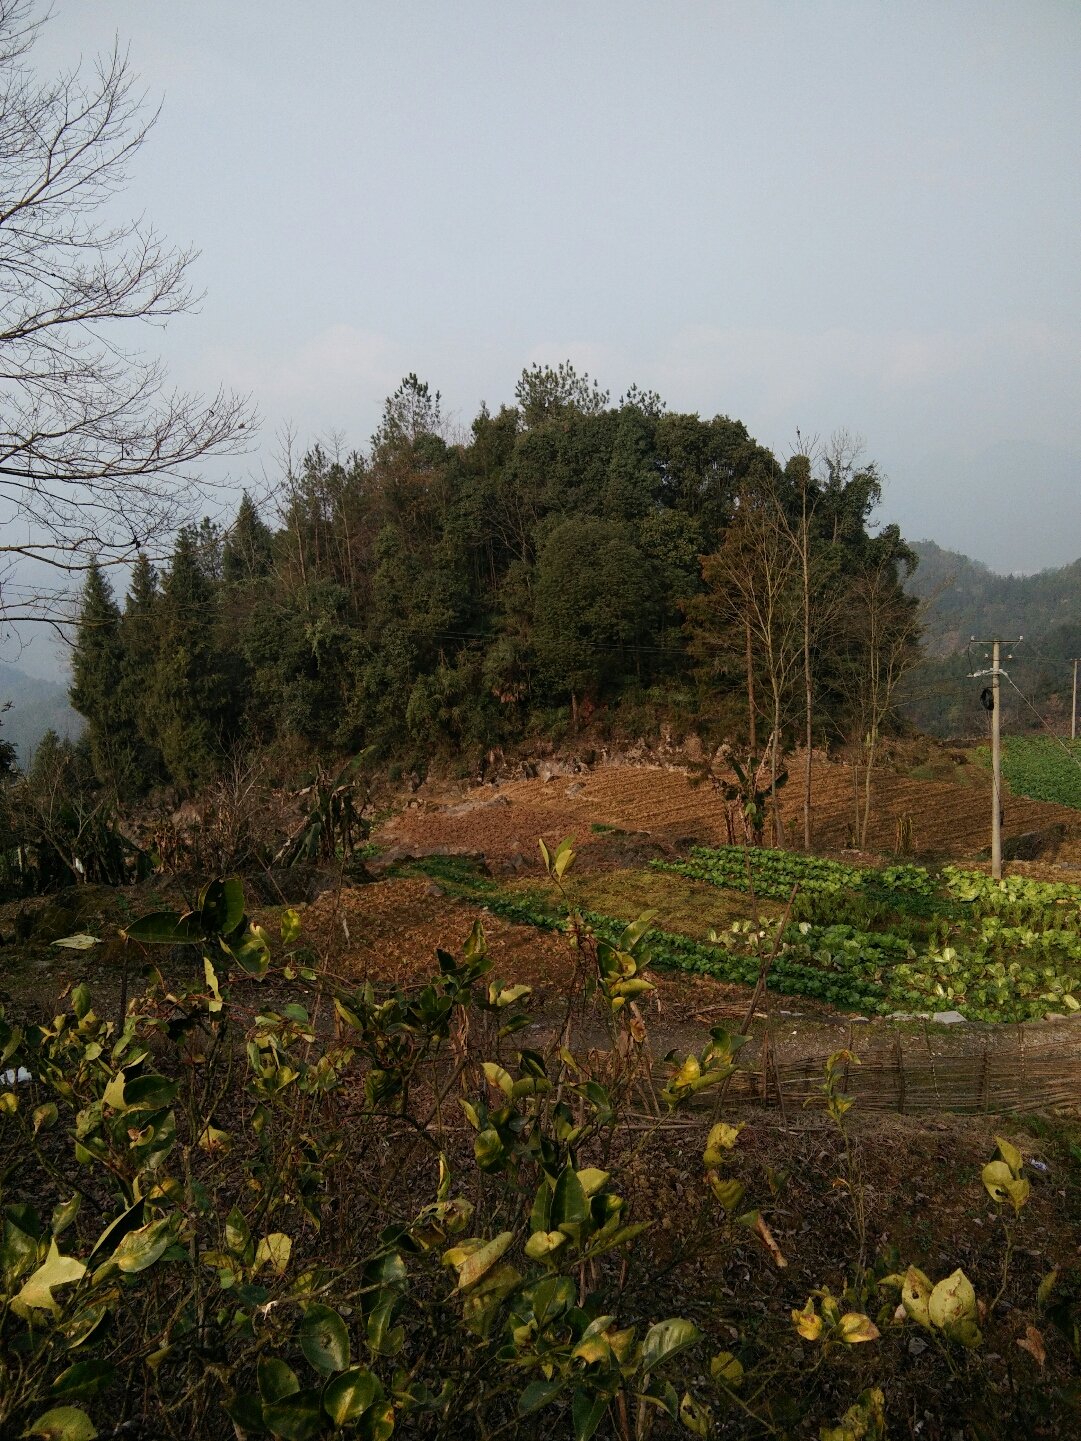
[1042,721]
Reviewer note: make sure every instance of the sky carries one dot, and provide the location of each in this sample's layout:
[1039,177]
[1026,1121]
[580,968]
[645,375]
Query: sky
[806,215]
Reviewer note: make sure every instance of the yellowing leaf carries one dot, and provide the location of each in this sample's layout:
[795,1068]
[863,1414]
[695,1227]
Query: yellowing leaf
[727,1370]
[55,1270]
[722,1138]
[591,1180]
[497,1076]
[808,1322]
[63,1423]
[727,1190]
[855,1327]
[474,1266]
[1010,1154]
[543,1243]
[214,1140]
[916,1296]
[952,1300]
[274,1250]
[1046,1286]
[997,1177]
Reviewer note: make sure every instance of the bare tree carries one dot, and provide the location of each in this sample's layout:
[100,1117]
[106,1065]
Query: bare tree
[97,452]
[887,627]
[754,585]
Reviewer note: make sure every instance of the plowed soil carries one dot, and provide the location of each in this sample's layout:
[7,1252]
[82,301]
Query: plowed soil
[946,820]
[390,931]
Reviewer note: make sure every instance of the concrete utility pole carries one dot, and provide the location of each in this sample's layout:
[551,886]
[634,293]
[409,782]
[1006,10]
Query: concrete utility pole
[996,673]
[996,762]
[1073,707]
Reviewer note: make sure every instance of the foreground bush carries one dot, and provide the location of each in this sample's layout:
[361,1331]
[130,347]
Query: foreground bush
[290,1206]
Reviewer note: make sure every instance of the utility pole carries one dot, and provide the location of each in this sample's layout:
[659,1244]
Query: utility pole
[1073,707]
[996,673]
[996,762]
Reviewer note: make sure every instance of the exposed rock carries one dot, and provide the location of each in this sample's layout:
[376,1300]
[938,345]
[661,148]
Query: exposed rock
[948,1018]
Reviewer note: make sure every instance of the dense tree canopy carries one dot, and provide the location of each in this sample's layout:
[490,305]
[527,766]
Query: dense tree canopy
[437,596]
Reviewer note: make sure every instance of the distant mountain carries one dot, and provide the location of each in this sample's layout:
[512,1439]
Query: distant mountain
[36,706]
[964,599]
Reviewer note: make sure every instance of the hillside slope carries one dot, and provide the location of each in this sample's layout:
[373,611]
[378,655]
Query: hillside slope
[36,706]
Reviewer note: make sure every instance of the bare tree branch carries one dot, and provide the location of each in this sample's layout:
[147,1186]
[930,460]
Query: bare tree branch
[98,455]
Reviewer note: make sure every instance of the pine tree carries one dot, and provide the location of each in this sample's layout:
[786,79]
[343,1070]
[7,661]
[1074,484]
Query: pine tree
[188,702]
[248,547]
[96,681]
[139,637]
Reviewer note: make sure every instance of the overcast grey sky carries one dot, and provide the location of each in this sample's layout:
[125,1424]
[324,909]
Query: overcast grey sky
[810,214]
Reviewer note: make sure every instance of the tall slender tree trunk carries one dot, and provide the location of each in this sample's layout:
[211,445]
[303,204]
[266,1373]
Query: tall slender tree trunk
[752,740]
[808,690]
[778,828]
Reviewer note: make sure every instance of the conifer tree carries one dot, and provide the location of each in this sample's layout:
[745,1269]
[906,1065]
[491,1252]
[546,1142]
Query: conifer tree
[96,676]
[188,703]
[248,547]
[139,638]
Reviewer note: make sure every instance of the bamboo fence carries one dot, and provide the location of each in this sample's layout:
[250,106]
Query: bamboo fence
[1029,1068]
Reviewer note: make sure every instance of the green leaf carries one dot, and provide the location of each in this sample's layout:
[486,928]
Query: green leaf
[290,927]
[64,1214]
[349,1395]
[324,1339]
[116,1230]
[251,951]
[237,1232]
[666,1339]
[275,1379]
[636,930]
[244,1410]
[538,1394]
[551,1298]
[221,906]
[587,1412]
[150,1092]
[85,1378]
[141,1248]
[384,1338]
[296,1417]
[63,1423]
[164,928]
[45,1116]
[569,1204]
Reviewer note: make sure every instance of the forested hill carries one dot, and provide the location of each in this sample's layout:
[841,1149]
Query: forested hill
[965,598]
[34,706]
[446,595]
